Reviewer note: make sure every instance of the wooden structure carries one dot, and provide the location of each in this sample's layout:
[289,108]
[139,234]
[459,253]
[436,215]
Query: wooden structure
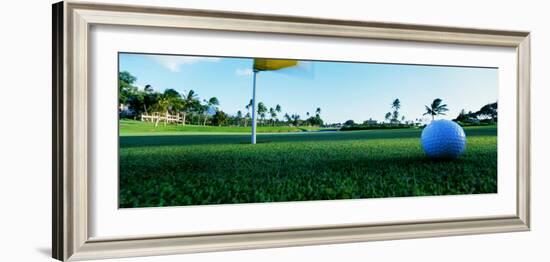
[157,117]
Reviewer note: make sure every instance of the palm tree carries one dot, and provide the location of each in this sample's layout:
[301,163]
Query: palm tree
[213,102]
[147,96]
[396,105]
[162,105]
[262,116]
[187,103]
[273,115]
[239,117]
[295,118]
[387,116]
[246,117]
[196,109]
[176,101]
[248,106]
[262,109]
[288,118]
[395,116]
[205,109]
[318,111]
[436,108]
[278,109]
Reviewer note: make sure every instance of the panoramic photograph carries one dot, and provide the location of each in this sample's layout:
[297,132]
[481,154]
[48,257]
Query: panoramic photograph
[204,130]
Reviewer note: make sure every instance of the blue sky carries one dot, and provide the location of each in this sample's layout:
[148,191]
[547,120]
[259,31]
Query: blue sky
[343,91]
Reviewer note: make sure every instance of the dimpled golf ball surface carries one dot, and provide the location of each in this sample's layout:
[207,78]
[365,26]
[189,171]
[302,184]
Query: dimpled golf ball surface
[443,139]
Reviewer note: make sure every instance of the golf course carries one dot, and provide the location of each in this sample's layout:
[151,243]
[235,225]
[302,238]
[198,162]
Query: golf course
[178,165]
[197,130]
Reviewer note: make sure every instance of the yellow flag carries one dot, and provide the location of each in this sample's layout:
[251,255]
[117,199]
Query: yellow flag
[262,64]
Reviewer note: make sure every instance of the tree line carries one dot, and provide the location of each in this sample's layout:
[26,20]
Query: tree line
[488,112]
[134,102]
[393,119]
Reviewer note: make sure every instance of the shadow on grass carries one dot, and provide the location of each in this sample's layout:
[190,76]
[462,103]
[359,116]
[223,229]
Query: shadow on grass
[193,139]
[200,139]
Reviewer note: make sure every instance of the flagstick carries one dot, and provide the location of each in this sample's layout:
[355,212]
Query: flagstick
[254,109]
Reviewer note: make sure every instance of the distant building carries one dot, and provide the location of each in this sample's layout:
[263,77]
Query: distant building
[370,122]
[471,120]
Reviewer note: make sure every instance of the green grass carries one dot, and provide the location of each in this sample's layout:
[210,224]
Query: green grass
[165,169]
[132,127]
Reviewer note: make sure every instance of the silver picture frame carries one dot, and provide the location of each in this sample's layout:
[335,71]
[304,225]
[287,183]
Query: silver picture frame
[71,25]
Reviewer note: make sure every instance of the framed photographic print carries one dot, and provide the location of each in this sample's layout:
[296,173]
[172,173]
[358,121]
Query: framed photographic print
[179,131]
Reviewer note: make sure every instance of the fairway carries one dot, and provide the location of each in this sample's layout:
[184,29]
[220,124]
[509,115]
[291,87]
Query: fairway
[179,165]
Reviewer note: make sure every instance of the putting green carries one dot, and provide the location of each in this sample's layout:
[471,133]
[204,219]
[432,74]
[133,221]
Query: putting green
[173,166]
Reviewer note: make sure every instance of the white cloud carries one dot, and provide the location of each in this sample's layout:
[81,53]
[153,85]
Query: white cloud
[243,71]
[173,63]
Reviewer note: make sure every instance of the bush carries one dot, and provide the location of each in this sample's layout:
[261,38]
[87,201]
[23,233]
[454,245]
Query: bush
[485,122]
[374,127]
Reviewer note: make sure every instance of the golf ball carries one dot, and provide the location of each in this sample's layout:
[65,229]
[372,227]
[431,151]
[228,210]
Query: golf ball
[443,139]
